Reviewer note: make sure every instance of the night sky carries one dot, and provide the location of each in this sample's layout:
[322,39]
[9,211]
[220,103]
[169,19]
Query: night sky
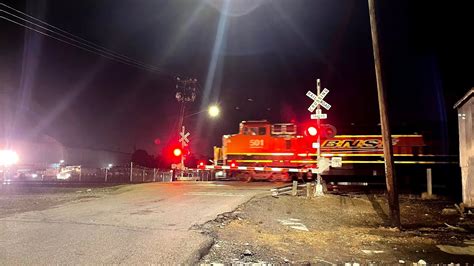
[270,54]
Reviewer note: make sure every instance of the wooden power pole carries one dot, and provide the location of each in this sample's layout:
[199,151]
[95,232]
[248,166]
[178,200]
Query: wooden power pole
[386,134]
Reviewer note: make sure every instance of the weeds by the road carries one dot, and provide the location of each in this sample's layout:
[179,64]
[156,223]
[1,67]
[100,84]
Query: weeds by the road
[339,229]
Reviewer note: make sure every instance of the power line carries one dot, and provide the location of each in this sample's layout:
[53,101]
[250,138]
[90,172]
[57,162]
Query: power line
[67,33]
[90,49]
[89,46]
[77,46]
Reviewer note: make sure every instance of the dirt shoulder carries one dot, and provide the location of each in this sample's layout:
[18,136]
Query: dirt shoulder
[339,229]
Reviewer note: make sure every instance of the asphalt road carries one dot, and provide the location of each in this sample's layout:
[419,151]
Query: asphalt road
[139,224]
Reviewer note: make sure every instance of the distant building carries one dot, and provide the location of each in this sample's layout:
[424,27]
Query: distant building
[465,108]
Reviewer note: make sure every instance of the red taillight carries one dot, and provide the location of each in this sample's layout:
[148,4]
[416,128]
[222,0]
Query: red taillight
[233,164]
[201,165]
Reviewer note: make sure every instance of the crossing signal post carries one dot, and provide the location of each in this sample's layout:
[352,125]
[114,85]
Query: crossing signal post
[319,101]
[183,138]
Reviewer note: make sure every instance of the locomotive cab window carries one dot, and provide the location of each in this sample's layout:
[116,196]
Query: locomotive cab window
[250,131]
[262,131]
[291,129]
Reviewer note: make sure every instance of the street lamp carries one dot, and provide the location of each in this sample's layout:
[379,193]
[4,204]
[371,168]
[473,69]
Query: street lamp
[213,111]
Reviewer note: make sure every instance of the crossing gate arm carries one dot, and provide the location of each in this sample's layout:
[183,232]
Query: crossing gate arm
[264,169]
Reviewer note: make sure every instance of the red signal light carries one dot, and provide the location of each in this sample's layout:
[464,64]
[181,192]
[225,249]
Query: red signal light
[201,165]
[232,164]
[312,131]
[177,152]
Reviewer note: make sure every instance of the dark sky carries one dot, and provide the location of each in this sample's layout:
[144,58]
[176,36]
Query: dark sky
[270,52]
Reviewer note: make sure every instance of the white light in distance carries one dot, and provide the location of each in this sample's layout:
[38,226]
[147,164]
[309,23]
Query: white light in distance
[8,157]
[214,111]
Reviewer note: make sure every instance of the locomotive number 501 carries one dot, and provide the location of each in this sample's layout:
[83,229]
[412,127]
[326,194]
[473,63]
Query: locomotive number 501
[256,143]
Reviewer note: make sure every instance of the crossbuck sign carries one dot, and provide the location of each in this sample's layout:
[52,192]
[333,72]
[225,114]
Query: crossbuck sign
[184,137]
[318,100]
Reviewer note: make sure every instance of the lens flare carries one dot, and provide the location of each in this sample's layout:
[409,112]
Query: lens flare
[8,157]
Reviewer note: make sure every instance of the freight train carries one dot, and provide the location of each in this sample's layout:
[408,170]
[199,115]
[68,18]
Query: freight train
[285,151]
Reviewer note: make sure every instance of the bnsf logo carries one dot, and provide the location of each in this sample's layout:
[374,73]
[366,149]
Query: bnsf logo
[356,144]
[256,143]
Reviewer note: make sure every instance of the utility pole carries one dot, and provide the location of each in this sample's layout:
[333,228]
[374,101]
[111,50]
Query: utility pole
[187,92]
[390,177]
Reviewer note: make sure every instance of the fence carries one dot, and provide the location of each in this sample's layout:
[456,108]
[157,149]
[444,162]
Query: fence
[116,174]
[133,174]
[194,175]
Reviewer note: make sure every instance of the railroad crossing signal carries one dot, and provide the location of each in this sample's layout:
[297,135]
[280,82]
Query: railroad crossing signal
[184,137]
[318,100]
[323,163]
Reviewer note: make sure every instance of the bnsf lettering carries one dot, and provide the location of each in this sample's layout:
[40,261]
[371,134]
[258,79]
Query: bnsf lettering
[256,143]
[395,141]
[331,143]
[355,144]
[350,143]
[371,144]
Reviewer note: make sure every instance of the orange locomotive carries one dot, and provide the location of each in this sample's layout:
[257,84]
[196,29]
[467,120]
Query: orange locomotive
[266,151]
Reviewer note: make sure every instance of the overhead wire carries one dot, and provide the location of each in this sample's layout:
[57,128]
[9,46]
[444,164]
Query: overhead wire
[32,23]
[70,34]
[75,45]
[81,43]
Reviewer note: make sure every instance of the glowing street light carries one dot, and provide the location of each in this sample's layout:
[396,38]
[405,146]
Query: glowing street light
[214,111]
